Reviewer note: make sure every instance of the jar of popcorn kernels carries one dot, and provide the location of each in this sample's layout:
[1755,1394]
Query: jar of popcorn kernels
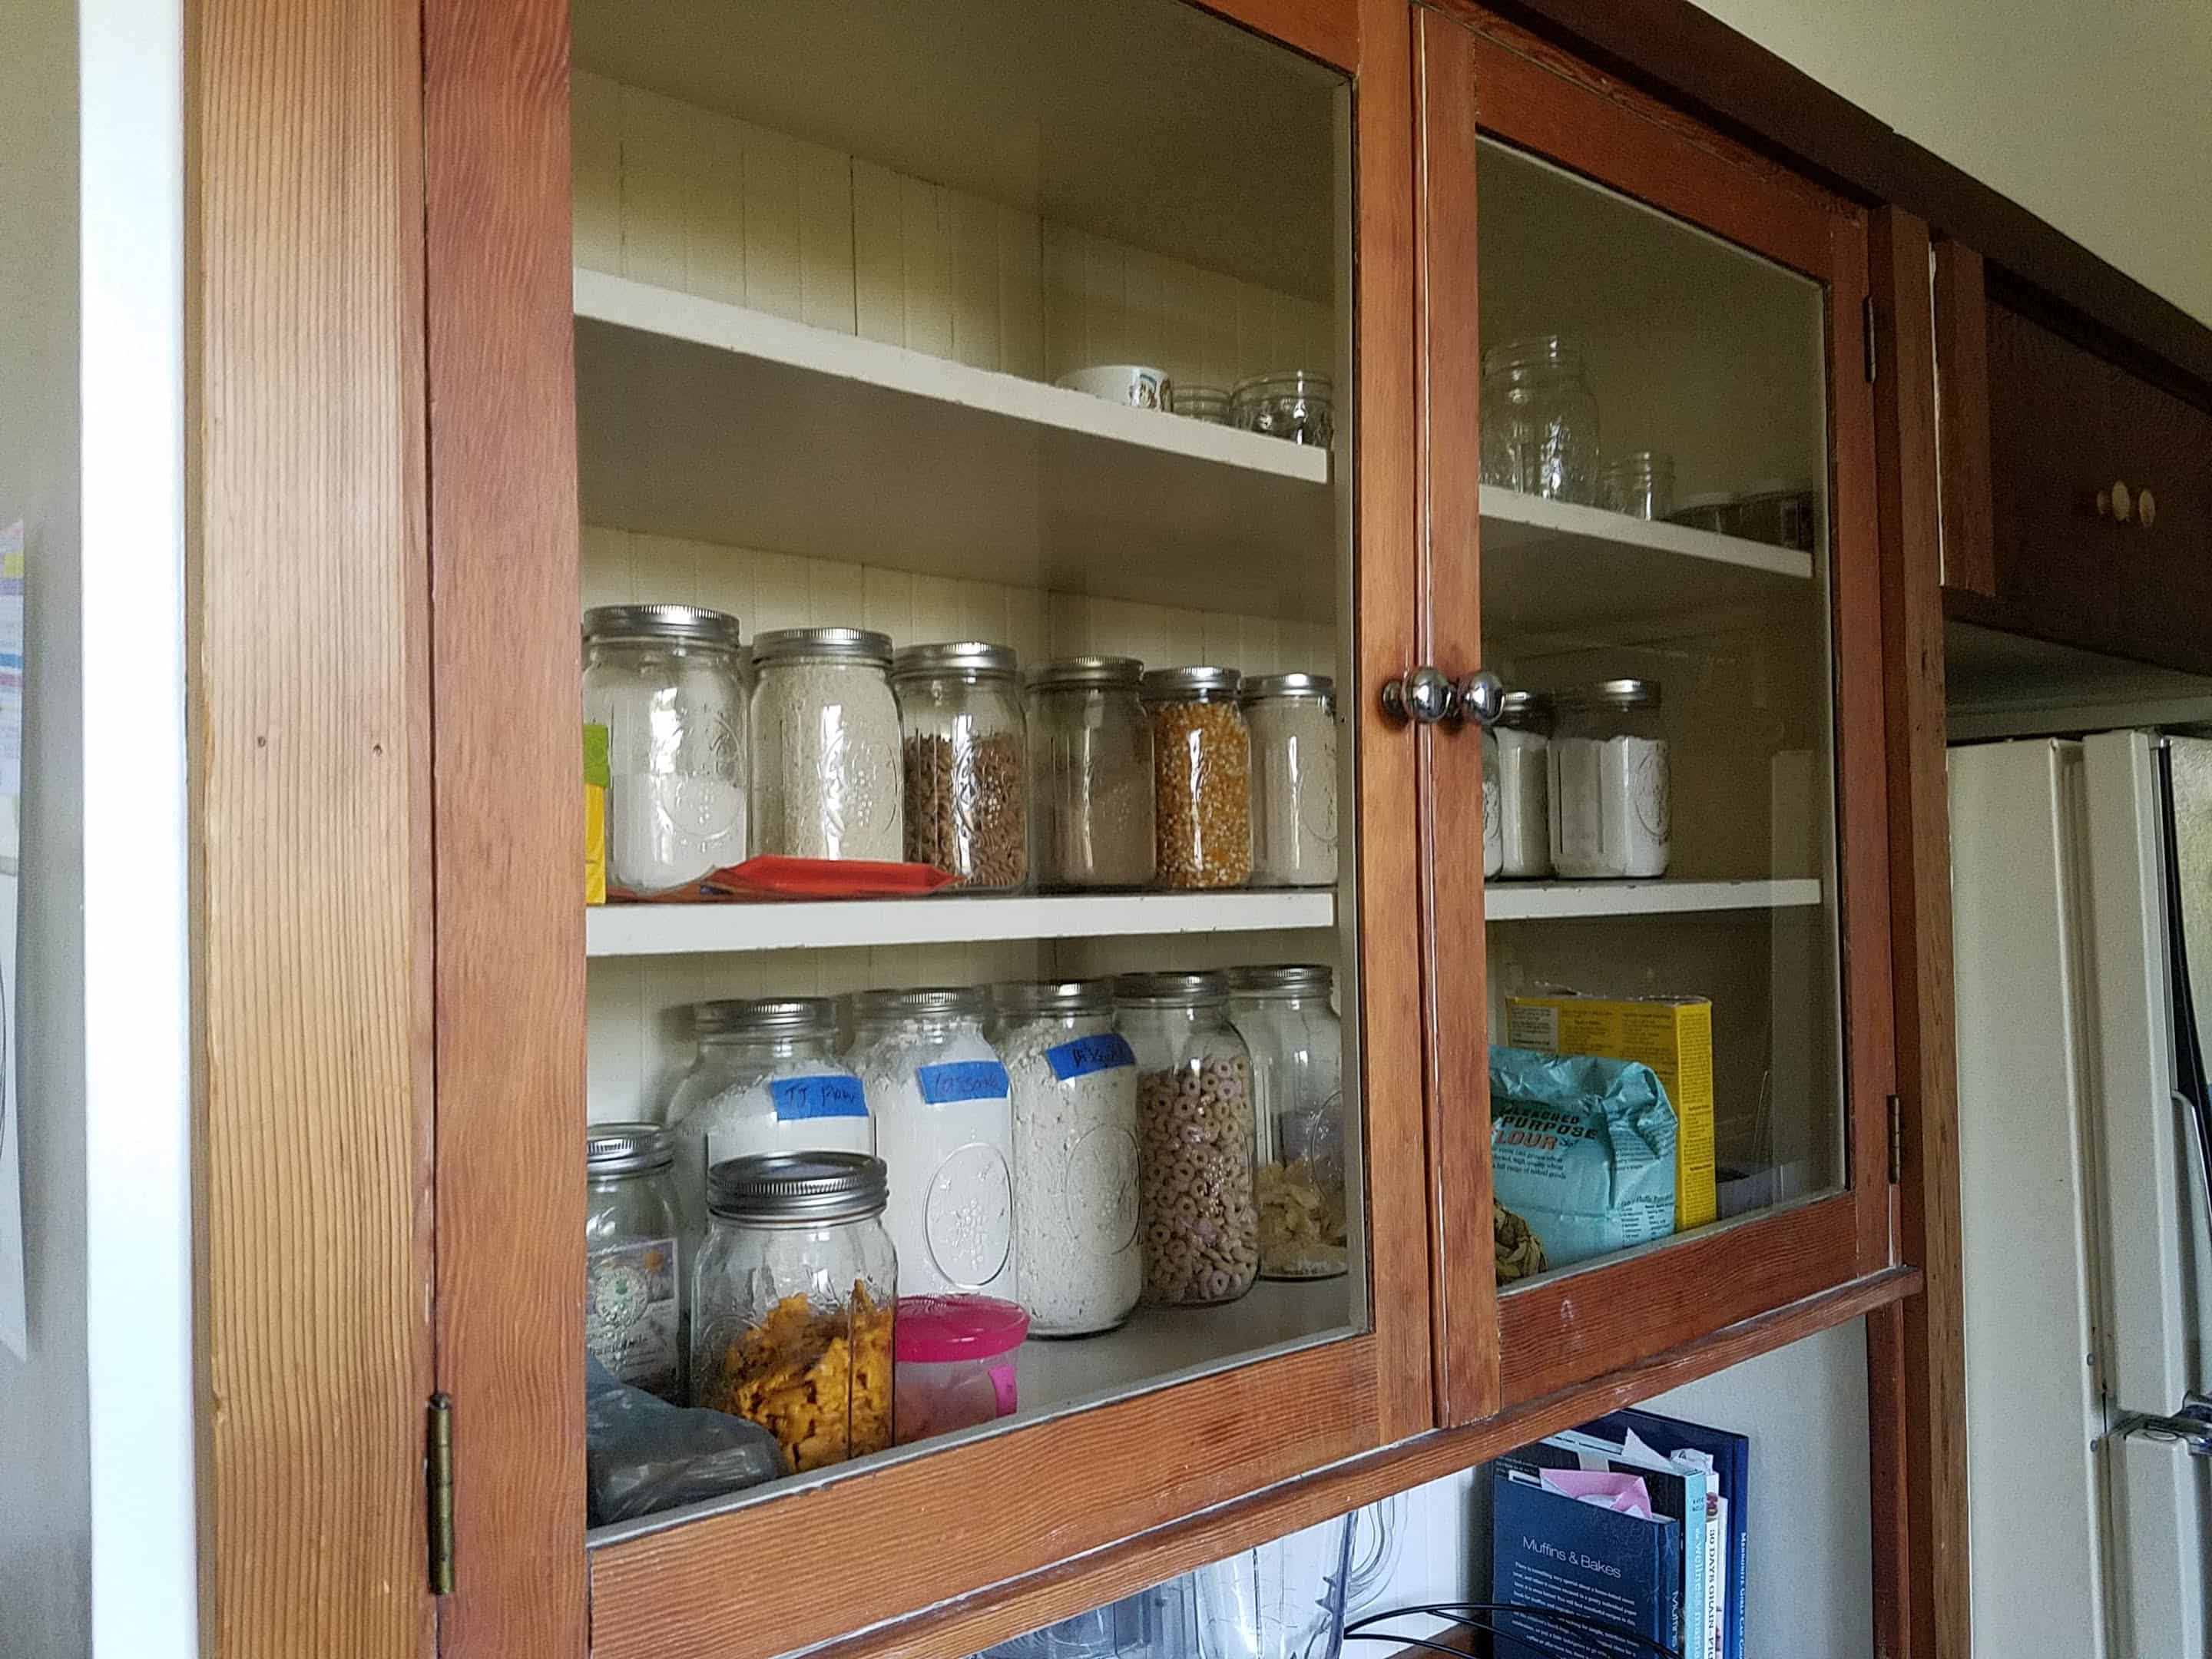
[1201,777]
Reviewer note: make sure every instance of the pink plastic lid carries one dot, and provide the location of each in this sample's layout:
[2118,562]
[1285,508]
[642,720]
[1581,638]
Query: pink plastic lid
[935,1330]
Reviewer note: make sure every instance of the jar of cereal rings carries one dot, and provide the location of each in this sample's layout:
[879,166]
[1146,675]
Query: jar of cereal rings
[1201,1237]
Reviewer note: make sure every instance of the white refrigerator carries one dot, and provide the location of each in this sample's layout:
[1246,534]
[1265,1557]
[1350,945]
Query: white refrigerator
[2081,898]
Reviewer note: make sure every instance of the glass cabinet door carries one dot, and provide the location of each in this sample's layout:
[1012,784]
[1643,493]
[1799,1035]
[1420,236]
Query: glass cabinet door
[1684,884]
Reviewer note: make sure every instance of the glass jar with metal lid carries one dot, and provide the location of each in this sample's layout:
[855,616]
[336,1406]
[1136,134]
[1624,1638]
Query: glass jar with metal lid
[1298,1103]
[766,1080]
[1612,811]
[1201,777]
[1072,1082]
[793,1302]
[1640,484]
[1293,718]
[1539,419]
[966,758]
[1194,1137]
[825,731]
[1090,775]
[634,1294]
[945,1129]
[1523,731]
[667,684]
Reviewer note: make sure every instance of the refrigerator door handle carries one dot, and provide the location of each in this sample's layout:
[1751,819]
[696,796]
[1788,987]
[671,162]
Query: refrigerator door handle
[2185,1428]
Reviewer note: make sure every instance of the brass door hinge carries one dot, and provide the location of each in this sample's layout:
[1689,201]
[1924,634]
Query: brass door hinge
[1896,1140]
[1866,311]
[438,1466]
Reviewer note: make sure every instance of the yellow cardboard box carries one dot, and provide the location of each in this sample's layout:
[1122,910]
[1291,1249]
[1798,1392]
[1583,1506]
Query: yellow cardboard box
[1673,1036]
[595,814]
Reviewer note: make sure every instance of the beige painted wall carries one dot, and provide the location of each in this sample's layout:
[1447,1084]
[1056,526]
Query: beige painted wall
[2095,117]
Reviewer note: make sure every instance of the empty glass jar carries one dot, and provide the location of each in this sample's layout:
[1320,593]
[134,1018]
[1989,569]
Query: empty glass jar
[666,682]
[635,1295]
[1296,404]
[825,731]
[1090,774]
[793,1302]
[1297,1088]
[1640,484]
[966,758]
[1540,431]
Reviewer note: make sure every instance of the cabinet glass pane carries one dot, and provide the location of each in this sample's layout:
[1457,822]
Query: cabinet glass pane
[836,266]
[1655,510]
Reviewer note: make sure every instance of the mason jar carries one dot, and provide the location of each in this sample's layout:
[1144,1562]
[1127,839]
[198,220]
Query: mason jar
[1297,1102]
[1524,784]
[766,1079]
[1493,831]
[1090,775]
[793,1302]
[635,1298]
[965,752]
[945,1130]
[1292,719]
[1195,1137]
[1612,807]
[667,683]
[1539,420]
[1201,777]
[825,731]
[1640,484]
[1071,1078]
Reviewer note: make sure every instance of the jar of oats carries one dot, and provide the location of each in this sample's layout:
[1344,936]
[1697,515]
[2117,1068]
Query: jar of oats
[1090,775]
[1194,1137]
[966,759]
[1201,777]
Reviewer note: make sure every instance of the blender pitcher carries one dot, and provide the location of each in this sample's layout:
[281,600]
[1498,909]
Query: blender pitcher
[1289,1599]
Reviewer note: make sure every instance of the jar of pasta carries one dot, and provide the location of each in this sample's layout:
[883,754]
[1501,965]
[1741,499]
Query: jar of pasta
[1297,1086]
[1194,1137]
[1202,777]
[793,1302]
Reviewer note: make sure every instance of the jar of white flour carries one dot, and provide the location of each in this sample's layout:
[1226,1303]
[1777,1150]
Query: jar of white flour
[1612,814]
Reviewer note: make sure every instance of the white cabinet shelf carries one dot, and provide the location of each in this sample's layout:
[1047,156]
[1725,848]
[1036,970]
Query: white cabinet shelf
[1541,900]
[649,930]
[1550,566]
[708,421]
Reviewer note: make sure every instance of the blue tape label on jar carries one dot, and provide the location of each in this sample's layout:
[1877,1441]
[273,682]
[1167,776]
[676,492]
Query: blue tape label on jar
[798,1098]
[961,1079]
[1101,1052]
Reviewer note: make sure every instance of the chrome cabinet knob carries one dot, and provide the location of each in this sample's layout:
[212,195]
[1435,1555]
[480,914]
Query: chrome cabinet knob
[1481,697]
[1425,696]
[2146,509]
[2116,503]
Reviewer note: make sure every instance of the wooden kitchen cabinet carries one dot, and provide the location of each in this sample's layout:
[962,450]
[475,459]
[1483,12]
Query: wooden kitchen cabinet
[761,308]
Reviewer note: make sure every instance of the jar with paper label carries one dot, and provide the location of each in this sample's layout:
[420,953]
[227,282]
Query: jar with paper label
[945,1130]
[636,1299]
[1073,1079]
[1194,1137]
[1523,730]
[767,1081]
[1612,811]
[665,683]
[1297,1102]
[1292,719]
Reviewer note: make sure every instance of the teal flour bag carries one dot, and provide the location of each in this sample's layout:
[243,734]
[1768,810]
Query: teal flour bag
[1582,1149]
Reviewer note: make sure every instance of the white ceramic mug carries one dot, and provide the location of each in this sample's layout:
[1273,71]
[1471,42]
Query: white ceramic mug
[1132,384]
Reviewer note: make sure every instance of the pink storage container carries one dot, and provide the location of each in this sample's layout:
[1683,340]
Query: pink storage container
[955,1359]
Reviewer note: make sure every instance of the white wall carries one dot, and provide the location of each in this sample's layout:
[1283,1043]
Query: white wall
[2095,118]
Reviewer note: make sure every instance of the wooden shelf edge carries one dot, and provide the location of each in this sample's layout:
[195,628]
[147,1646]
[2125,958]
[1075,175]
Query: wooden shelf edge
[1537,518]
[955,1629]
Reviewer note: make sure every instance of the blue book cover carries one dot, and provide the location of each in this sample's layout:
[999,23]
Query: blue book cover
[1731,1455]
[1554,1552]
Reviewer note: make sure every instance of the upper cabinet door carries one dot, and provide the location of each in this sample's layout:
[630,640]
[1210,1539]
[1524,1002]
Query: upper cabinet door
[921,321]
[1649,508]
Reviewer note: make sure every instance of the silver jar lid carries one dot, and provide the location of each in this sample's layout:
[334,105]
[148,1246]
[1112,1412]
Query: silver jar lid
[1171,990]
[1123,673]
[970,658]
[1528,711]
[1055,996]
[613,1149]
[1197,683]
[1613,694]
[1638,463]
[764,1017]
[855,645]
[1286,688]
[928,1002]
[660,624]
[1289,979]
[1536,351]
[796,1189]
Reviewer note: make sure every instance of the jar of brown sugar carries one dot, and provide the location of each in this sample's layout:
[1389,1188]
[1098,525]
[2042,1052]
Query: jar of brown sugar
[1202,777]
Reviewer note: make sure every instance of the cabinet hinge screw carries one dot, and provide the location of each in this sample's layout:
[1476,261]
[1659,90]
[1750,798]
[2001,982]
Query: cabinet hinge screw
[438,1465]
